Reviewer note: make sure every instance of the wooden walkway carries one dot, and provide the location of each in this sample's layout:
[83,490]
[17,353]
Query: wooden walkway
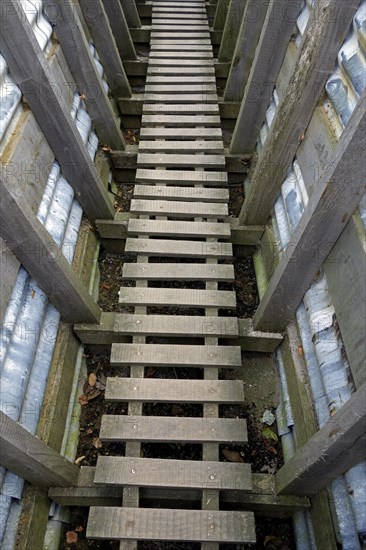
[180,200]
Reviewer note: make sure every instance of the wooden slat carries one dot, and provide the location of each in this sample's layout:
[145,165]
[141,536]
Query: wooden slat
[173,42]
[160,524]
[179,229]
[198,146]
[181,29]
[27,456]
[178,12]
[177,297]
[202,194]
[179,209]
[171,429]
[190,23]
[30,70]
[178,272]
[175,98]
[193,89]
[161,47]
[177,70]
[184,249]
[182,177]
[205,108]
[183,121]
[175,355]
[174,391]
[189,79]
[182,474]
[156,61]
[146,160]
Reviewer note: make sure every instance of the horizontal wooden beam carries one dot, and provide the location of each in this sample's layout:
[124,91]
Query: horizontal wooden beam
[327,27]
[34,247]
[333,450]
[30,70]
[331,205]
[143,35]
[27,456]
[134,105]
[63,16]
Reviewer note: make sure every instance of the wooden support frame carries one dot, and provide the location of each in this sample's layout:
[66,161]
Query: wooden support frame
[121,33]
[220,15]
[326,30]
[33,246]
[259,82]
[231,29]
[75,48]
[105,43]
[331,205]
[333,450]
[31,72]
[131,13]
[26,455]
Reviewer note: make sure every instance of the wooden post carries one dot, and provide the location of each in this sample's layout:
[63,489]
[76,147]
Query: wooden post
[131,13]
[333,450]
[231,29]
[105,43]
[326,30]
[29,68]
[30,458]
[34,247]
[260,78]
[331,205]
[120,29]
[220,15]
[75,47]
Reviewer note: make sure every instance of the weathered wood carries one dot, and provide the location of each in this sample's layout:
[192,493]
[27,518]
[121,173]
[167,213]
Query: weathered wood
[182,248]
[171,193]
[160,524]
[257,87]
[118,23]
[170,429]
[177,297]
[185,474]
[177,391]
[253,340]
[193,55]
[131,13]
[231,29]
[190,79]
[181,89]
[178,272]
[26,455]
[249,235]
[331,205]
[75,47]
[184,98]
[30,242]
[31,72]
[185,121]
[326,29]
[105,43]
[180,209]
[177,355]
[178,229]
[333,450]
[221,14]
[197,146]
[181,177]
[146,160]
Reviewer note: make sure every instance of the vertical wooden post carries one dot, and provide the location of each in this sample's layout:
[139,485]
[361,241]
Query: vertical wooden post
[258,85]
[29,68]
[231,29]
[326,30]
[105,43]
[64,17]
[131,13]
[220,16]
[120,29]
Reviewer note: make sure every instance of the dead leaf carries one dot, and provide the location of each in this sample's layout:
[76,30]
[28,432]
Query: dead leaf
[302,137]
[83,400]
[92,379]
[79,529]
[300,351]
[103,286]
[33,294]
[99,386]
[232,456]
[102,378]
[71,537]
[106,148]
[268,469]
[269,434]
[97,443]
[150,372]
[93,394]
[80,459]
[271,538]
[83,96]
[89,431]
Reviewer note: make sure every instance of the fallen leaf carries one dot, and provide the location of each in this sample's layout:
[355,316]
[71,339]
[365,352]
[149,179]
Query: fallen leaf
[97,443]
[83,400]
[302,137]
[232,456]
[99,386]
[106,148]
[79,529]
[268,417]
[71,537]
[83,96]
[271,538]
[33,294]
[80,459]
[269,434]
[268,469]
[150,372]
[92,379]
[89,431]
[103,286]
[93,394]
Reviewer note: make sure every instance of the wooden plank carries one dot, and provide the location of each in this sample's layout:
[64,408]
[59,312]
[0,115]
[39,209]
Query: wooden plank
[178,272]
[184,249]
[184,98]
[221,14]
[179,229]
[178,12]
[177,70]
[113,326]
[118,23]
[175,355]
[315,61]
[32,74]
[254,340]
[160,524]
[231,29]
[333,450]
[174,43]
[172,429]
[105,44]
[332,203]
[188,48]
[195,23]
[193,89]
[180,209]
[195,79]
[174,391]
[75,48]
[157,62]
[182,177]
[272,45]
[177,297]
[131,13]
[181,133]
[185,474]
[201,146]
[33,246]
[146,160]
[30,458]
[205,108]
[177,28]
[182,121]
[171,193]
